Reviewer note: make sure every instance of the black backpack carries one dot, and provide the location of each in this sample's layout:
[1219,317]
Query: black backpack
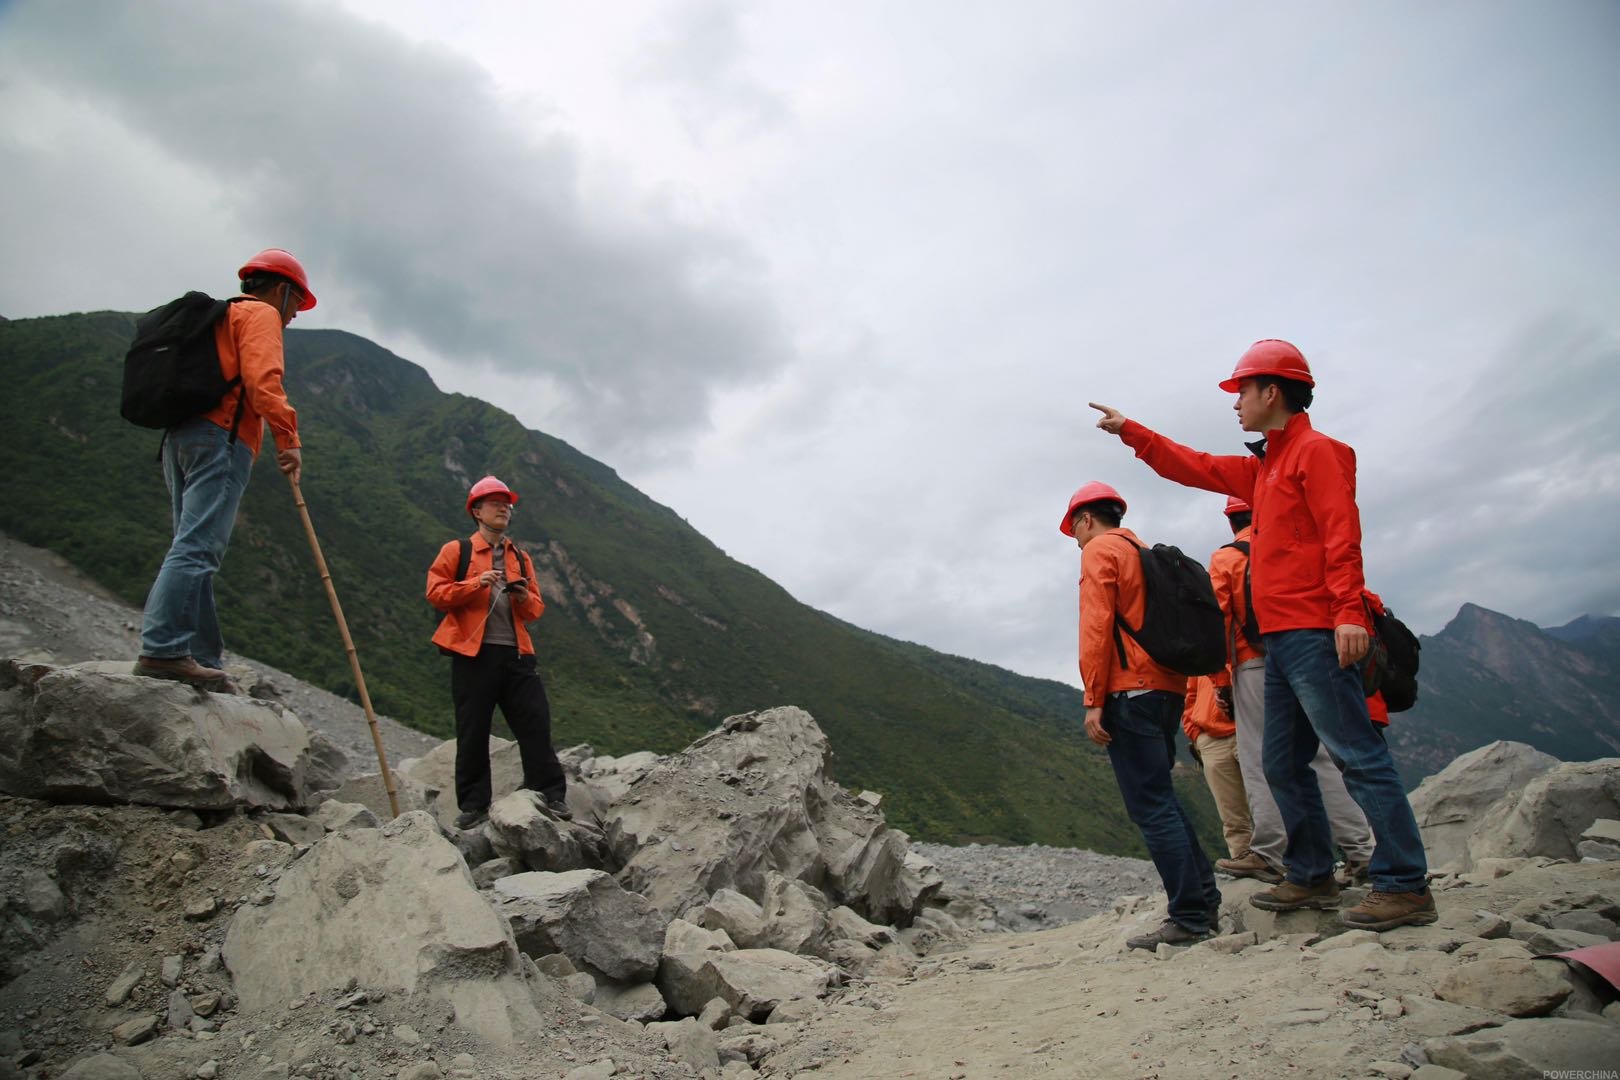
[1251,625]
[1183,627]
[171,372]
[1392,663]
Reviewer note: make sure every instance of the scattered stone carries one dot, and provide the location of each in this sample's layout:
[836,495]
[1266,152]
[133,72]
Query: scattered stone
[207,1004]
[752,981]
[1606,830]
[1450,804]
[490,871]
[293,828]
[689,1042]
[203,909]
[1394,1070]
[334,816]
[407,1034]
[715,1014]
[1438,1072]
[122,986]
[597,1070]
[682,936]
[1230,944]
[426,1070]
[180,1012]
[580,986]
[136,1031]
[1541,820]
[1597,851]
[208,1070]
[522,829]
[170,974]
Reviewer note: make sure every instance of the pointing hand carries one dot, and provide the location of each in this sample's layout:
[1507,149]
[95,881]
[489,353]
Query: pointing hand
[1112,419]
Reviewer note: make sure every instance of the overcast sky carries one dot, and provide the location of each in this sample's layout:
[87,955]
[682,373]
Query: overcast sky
[836,281]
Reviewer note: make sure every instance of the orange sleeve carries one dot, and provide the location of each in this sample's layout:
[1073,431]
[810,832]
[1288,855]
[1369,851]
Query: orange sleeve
[1099,599]
[443,590]
[1228,587]
[1188,724]
[259,354]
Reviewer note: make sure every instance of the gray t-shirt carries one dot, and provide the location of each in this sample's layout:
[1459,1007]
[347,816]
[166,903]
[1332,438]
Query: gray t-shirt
[499,630]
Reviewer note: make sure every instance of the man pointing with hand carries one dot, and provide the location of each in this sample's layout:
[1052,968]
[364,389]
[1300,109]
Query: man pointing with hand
[1306,572]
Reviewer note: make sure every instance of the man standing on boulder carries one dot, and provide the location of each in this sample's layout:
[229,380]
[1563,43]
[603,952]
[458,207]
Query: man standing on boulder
[1306,573]
[206,464]
[1229,573]
[1133,707]
[485,586]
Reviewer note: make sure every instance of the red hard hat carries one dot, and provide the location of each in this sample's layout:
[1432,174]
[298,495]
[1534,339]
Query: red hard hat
[1095,491]
[1270,357]
[1235,505]
[281,261]
[486,487]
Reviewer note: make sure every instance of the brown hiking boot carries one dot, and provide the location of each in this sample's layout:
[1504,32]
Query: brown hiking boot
[1385,911]
[181,669]
[1290,897]
[1249,865]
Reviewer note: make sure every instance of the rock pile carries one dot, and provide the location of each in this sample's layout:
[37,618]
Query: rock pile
[711,895]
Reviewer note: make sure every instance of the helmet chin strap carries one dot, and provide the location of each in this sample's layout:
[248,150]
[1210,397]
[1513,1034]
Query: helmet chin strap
[286,295]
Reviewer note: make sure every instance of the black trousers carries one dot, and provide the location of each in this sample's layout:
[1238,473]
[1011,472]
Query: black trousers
[499,675]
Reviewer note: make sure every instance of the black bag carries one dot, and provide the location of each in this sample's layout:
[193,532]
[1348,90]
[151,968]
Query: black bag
[1183,627]
[1251,625]
[1392,662]
[171,372]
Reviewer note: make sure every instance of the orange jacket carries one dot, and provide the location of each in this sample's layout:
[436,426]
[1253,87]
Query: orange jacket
[1306,538]
[1202,714]
[249,340]
[465,603]
[1110,585]
[1226,567]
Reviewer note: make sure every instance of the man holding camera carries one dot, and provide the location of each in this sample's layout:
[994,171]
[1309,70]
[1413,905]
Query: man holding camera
[486,605]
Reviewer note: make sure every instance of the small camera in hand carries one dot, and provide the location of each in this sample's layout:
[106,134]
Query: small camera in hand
[511,586]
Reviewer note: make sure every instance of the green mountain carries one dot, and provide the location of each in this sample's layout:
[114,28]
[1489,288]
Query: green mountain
[651,633]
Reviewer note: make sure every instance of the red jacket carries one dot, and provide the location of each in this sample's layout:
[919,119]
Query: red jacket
[1306,537]
[1202,713]
[465,603]
[1111,587]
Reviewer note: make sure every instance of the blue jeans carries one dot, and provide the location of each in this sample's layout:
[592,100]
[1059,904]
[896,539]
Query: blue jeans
[1311,701]
[1144,748]
[206,476]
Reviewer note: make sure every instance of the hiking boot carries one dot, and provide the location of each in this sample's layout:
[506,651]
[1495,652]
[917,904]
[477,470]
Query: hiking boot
[1290,897]
[471,819]
[1249,865]
[1354,872]
[559,809]
[1385,910]
[1171,933]
[181,669]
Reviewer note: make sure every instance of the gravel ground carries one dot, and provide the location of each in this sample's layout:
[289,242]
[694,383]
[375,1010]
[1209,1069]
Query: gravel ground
[1036,886]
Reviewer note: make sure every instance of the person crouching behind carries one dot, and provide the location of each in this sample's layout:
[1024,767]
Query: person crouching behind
[491,655]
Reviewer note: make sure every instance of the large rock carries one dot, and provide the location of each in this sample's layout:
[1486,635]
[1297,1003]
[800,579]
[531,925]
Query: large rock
[751,981]
[1531,1049]
[94,733]
[393,908]
[370,791]
[1514,987]
[1450,804]
[586,916]
[751,797]
[521,828]
[1550,814]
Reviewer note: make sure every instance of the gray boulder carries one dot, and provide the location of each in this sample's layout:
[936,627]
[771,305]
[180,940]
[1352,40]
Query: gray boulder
[95,733]
[682,936]
[586,916]
[521,828]
[751,981]
[1550,814]
[393,908]
[334,815]
[1450,804]
[368,790]
[750,797]
[1514,987]
[641,1002]
[1530,1049]
[689,1043]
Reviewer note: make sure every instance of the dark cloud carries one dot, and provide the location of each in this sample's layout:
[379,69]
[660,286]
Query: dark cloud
[424,201]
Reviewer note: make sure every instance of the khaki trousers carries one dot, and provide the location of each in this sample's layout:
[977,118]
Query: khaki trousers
[1224,776]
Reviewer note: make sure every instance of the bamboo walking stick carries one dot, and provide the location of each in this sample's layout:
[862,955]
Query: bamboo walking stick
[348,644]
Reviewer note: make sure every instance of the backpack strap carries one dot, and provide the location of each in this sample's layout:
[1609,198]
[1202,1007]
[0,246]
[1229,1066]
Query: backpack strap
[464,559]
[236,382]
[1119,642]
